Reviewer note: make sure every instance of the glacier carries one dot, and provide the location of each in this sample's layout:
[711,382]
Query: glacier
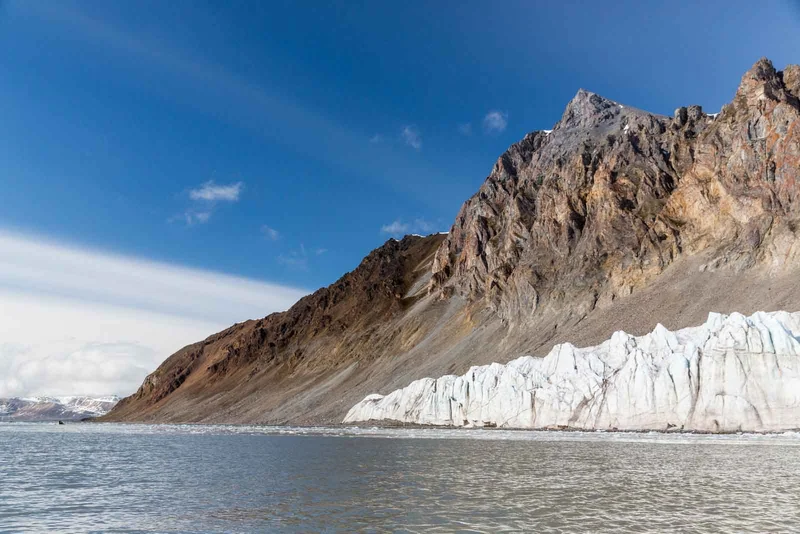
[733,373]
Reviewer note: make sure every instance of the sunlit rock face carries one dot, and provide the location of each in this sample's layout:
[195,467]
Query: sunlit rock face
[613,195]
[733,373]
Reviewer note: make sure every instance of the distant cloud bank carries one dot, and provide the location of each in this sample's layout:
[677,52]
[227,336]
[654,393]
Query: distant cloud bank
[79,321]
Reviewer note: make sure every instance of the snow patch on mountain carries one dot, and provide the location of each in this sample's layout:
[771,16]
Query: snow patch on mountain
[55,408]
[733,373]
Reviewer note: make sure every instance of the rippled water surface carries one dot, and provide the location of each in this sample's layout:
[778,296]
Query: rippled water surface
[123,478]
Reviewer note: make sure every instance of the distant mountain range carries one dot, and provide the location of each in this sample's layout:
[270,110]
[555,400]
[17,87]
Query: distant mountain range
[55,408]
[616,219]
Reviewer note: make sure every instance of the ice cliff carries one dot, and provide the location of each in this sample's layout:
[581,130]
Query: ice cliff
[733,373]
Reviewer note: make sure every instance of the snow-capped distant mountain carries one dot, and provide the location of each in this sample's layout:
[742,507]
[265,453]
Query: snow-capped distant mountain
[73,408]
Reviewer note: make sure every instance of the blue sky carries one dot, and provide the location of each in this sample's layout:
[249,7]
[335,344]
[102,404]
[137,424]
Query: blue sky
[279,142]
[114,111]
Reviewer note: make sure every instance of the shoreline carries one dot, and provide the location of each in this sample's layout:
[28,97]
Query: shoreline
[395,425]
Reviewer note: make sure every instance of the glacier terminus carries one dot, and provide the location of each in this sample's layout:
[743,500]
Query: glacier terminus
[733,373]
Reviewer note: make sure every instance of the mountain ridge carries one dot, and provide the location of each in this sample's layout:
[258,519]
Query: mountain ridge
[617,218]
[65,408]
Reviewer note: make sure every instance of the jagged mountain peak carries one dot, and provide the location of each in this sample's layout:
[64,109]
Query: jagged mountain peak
[791,78]
[584,95]
[762,69]
[587,109]
[763,81]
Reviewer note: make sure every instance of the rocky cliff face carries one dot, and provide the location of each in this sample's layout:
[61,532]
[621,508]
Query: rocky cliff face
[607,200]
[617,218]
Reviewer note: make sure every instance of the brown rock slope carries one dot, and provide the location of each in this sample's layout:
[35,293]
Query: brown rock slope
[617,219]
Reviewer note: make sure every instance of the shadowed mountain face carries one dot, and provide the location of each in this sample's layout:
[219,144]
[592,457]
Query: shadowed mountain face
[617,219]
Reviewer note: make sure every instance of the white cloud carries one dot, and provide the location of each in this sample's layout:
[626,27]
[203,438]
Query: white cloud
[205,200]
[412,137]
[495,121]
[296,259]
[465,129]
[375,139]
[321,251]
[212,192]
[399,228]
[423,226]
[192,217]
[270,233]
[202,216]
[395,227]
[86,322]
[68,367]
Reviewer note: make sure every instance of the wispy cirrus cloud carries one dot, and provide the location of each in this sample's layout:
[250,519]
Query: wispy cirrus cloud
[300,258]
[80,321]
[495,122]
[296,259]
[465,128]
[255,106]
[211,192]
[411,136]
[395,227]
[192,217]
[398,227]
[270,233]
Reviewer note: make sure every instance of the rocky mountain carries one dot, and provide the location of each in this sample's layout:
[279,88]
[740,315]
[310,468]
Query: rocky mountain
[615,219]
[55,408]
[613,195]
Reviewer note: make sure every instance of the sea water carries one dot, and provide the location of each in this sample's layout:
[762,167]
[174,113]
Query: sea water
[196,478]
